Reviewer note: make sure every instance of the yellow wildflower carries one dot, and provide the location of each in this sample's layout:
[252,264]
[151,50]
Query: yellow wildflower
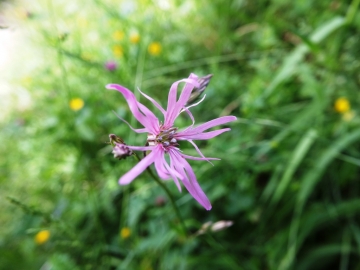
[125,233]
[42,237]
[76,104]
[134,38]
[342,105]
[117,51]
[154,48]
[118,35]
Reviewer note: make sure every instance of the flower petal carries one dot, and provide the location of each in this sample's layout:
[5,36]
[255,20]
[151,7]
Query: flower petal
[140,112]
[157,105]
[198,158]
[189,179]
[165,171]
[174,107]
[191,117]
[204,135]
[174,174]
[141,166]
[137,130]
[161,170]
[198,150]
[186,92]
[207,125]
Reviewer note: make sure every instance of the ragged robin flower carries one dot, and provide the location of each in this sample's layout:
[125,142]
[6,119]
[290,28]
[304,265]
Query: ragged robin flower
[163,137]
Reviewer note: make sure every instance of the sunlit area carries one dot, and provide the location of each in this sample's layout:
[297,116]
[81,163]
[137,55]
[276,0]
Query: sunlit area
[179,134]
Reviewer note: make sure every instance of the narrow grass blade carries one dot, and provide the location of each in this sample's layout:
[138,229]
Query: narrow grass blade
[307,185]
[290,63]
[317,257]
[296,124]
[351,13]
[312,177]
[298,155]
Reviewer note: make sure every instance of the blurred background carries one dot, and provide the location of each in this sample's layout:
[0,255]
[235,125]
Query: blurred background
[289,173]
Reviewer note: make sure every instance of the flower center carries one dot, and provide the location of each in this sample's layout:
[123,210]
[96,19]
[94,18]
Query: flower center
[165,137]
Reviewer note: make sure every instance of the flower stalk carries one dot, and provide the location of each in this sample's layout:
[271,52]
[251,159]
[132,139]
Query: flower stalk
[168,193]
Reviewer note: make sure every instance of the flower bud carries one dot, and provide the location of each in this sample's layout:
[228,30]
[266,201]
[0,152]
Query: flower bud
[221,225]
[197,91]
[214,227]
[121,151]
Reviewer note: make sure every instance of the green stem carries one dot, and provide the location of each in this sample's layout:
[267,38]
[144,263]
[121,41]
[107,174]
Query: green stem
[167,191]
[350,15]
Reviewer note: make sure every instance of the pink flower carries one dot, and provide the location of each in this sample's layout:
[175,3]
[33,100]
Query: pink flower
[162,138]
[110,65]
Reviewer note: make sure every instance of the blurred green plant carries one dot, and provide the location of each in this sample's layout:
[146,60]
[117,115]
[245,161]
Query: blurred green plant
[288,178]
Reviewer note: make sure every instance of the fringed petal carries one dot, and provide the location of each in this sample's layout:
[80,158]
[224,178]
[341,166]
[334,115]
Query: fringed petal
[140,112]
[199,129]
[189,179]
[174,174]
[156,104]
[203,136]
[174,107]
[137,130]
[198,158]
[161,170]
[141,166]
[198,150]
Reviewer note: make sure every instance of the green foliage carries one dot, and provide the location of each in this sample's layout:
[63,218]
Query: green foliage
[289,169]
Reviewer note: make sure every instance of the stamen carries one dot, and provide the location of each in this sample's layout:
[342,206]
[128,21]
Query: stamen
[165,137]
[166,143]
